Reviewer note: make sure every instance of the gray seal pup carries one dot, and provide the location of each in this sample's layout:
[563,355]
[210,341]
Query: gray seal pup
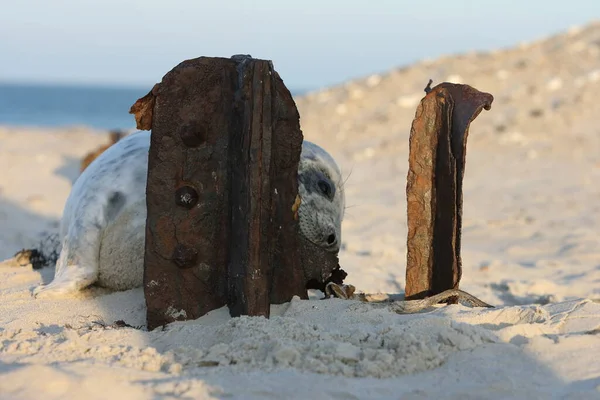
[102,229]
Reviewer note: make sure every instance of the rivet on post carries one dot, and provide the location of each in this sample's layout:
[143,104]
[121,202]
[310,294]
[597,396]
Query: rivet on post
[185,257]
[186,196]
[193,137]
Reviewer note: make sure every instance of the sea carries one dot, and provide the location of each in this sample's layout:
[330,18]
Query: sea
[41,105]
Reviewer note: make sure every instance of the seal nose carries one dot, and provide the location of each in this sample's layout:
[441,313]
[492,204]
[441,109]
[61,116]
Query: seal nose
[331,242]
[331,239]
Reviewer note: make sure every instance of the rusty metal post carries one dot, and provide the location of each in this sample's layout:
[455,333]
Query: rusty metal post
[185,264]
[438,141]
[222,192]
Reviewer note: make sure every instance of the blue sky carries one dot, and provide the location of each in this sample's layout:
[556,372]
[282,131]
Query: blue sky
[312,43]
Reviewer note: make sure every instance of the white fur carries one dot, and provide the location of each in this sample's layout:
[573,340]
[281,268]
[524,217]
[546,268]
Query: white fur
[103,240]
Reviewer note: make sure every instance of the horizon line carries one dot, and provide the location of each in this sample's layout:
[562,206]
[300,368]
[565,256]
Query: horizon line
[99,85]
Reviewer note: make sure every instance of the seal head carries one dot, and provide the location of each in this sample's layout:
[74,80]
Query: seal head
[321,191]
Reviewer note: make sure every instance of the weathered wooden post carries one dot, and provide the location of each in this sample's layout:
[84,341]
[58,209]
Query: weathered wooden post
[222,192]
[438,141]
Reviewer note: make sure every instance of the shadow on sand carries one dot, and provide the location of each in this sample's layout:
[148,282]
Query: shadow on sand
[69,169]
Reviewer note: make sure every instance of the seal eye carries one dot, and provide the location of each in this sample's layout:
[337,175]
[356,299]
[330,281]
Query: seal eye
[324,187]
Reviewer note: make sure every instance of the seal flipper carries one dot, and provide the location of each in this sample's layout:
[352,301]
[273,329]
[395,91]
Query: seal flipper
[77,265]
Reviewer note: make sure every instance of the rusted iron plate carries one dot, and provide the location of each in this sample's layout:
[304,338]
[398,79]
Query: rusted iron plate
[437,158]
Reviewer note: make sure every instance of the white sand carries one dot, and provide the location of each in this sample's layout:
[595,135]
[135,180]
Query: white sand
[530,246]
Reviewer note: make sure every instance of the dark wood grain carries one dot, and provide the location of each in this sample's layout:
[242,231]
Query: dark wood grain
[265,152]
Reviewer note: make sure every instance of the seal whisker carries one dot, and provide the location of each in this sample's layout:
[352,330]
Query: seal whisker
[343,183]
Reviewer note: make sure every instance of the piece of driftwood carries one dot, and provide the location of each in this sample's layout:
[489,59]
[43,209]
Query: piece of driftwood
[438,142]
[414,306]
[222,192]
[401,305]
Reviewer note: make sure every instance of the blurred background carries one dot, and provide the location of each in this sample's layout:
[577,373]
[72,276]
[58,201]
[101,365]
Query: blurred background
[84,62]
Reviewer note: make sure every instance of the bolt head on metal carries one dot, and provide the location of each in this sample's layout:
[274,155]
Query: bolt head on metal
[186,196]
[193,137]
[184,256]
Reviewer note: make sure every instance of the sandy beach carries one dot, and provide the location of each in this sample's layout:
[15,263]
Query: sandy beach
[531,247]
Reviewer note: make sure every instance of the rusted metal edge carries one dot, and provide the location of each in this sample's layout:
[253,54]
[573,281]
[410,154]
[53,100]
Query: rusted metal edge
[434,186]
